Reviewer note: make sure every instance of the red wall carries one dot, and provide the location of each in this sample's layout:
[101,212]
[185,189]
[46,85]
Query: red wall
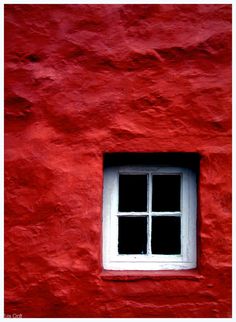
[82,80]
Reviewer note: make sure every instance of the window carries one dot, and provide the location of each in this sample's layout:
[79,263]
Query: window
[149,215]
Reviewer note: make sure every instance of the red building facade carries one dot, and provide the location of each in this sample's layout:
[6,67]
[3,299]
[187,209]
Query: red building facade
[85,80]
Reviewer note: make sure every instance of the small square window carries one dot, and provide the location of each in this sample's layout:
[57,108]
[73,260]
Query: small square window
[149,213]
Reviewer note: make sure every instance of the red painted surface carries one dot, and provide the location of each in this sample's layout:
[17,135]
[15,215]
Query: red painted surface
[82,80]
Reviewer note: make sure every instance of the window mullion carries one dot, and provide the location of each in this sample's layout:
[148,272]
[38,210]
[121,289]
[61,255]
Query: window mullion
[149,208]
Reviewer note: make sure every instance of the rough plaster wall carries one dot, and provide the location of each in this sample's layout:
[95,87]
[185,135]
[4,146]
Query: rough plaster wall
[85,79]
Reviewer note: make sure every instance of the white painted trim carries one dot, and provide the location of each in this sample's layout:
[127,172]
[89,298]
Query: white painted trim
[114,261]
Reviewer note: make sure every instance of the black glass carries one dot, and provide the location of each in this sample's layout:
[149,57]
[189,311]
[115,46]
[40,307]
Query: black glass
[166,235]
[132,193]
[166,193]
[132,236]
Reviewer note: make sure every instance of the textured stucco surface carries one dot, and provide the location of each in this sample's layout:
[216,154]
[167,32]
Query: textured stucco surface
[81,80]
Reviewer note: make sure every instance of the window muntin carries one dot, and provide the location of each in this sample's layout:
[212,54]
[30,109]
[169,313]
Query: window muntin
[170,231]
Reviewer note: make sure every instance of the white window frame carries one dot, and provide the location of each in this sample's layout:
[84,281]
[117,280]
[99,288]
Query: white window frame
[188,204]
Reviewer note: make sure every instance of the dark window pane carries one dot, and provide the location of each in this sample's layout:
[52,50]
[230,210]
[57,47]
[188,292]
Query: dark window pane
[166,235]
[166,193]
[132,235]
[133,193]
